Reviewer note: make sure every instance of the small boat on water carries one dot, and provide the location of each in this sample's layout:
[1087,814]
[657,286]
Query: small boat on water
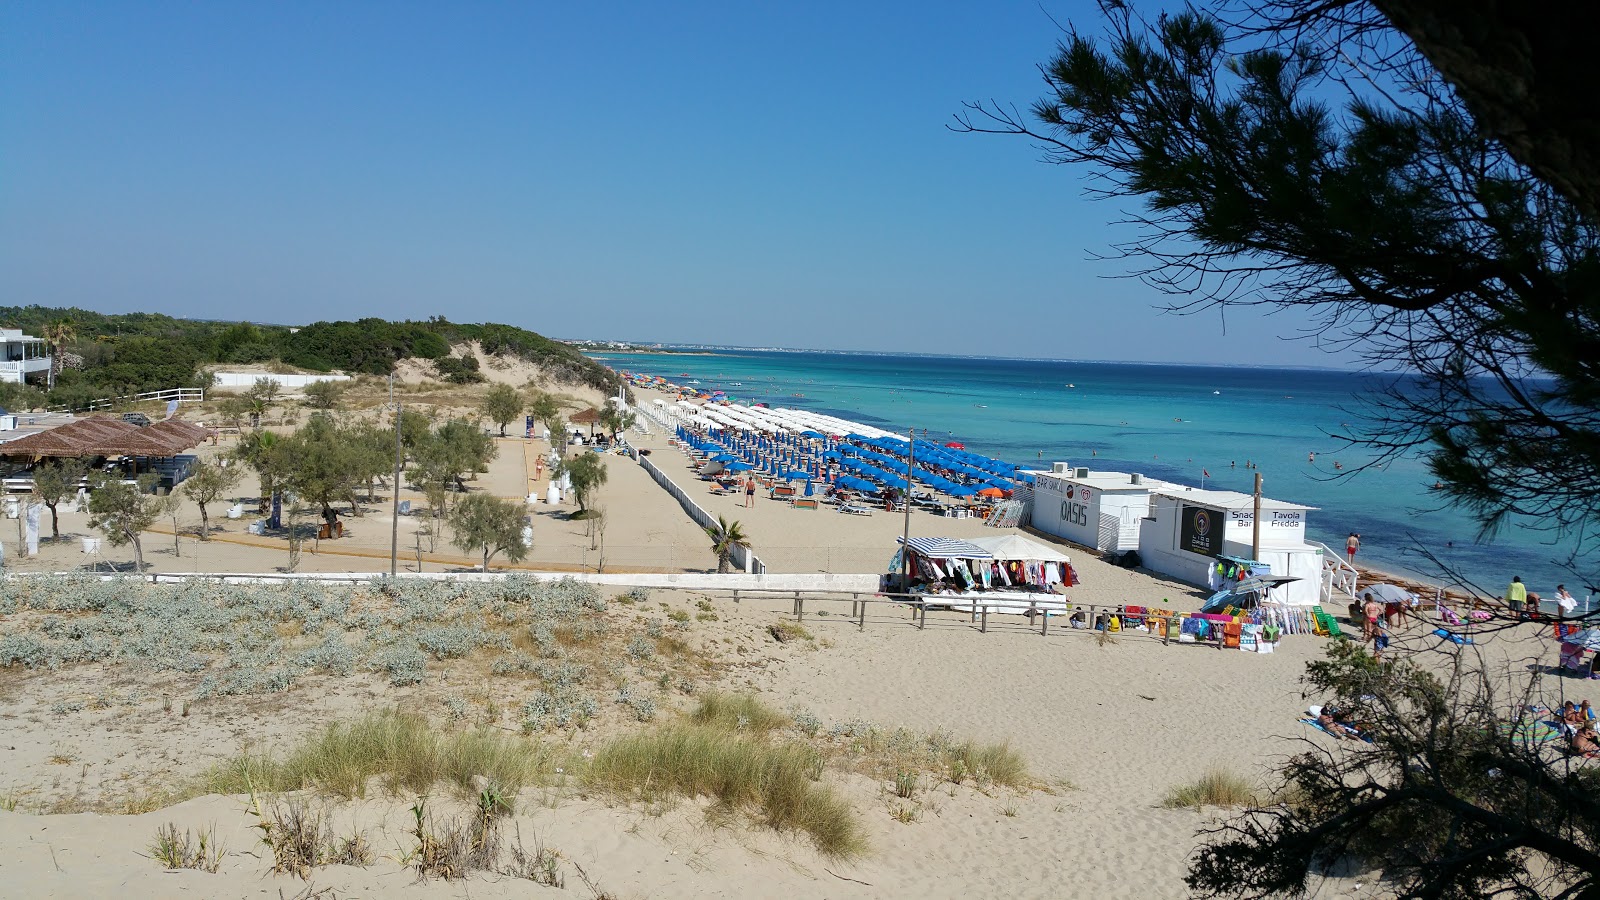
[694,381]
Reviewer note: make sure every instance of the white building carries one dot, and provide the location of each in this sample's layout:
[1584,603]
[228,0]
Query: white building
[1101,510]
[22,356]
[1187,529]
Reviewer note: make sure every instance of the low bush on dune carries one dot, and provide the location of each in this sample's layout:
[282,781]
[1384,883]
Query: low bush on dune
[404,750]
[1217,787]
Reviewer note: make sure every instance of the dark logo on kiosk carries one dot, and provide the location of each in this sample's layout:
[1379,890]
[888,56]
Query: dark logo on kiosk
[1195,530]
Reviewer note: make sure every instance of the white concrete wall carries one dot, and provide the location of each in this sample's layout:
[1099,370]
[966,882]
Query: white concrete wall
[288,382]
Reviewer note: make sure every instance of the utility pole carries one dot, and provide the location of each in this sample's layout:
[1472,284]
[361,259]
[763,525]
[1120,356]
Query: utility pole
[1255,527]
[905,548]
[394,520]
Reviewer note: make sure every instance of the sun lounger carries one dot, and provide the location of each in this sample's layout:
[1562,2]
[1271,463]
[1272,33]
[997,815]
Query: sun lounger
[803,503]
[854,510]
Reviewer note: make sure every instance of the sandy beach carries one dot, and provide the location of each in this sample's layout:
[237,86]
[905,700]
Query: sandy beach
[96,752]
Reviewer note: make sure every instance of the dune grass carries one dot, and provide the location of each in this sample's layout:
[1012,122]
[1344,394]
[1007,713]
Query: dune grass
[998,763]
[403,749]
[738,711]
[1217,787]
[775,782]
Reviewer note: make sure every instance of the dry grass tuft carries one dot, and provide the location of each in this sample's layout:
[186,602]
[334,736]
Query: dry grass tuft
[736,712]
[1217,787]
[776,783]
[187,850]
[403,749]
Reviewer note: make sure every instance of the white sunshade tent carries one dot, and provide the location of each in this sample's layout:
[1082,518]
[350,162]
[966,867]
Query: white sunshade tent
[1015,546]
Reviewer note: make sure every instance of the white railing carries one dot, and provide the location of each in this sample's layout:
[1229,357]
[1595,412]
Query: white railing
[744,557]
[1337,573]
[182,395]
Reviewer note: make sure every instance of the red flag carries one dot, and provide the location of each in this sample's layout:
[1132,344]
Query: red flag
[1205,473]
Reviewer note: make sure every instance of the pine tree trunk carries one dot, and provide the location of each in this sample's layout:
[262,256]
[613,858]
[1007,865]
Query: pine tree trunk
[138,552]
[55,524]
[205,523]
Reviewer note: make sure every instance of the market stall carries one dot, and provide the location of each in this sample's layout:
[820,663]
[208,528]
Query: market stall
[1010,575]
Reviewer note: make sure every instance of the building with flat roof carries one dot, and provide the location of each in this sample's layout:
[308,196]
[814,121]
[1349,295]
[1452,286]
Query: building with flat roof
[1101,510]
[22,355]
[1189,530]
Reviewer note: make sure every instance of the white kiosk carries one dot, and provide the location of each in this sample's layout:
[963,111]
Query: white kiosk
[1101,510]
[1189,528]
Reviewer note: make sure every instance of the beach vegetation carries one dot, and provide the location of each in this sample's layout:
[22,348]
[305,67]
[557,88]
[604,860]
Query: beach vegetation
[1399,177]
[785,631]
[486,524]
[775,783]
[122,511]
[55,480]
[1458,792]
[726,538]
[300,837]
[324,395]
[501,405]
[207,483]
[404,751]
[1216,787]
[189,849]
[738,712]
[588,473]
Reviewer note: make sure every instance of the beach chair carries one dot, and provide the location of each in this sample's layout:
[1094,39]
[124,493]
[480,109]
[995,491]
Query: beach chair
[805,503]
[854,510]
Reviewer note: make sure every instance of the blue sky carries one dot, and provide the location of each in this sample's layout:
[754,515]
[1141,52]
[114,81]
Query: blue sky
[738,173]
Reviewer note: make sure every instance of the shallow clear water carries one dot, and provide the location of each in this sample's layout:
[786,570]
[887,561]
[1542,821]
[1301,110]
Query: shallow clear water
[1170,422]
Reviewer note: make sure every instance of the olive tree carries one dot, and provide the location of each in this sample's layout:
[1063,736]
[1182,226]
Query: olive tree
[207,483]
[502,405]
[54,481]
[123,510]
[483,523]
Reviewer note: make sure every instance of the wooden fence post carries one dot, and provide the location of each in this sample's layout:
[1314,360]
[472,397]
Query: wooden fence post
[984,628]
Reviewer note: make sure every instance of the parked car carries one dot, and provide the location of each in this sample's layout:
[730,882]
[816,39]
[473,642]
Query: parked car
[136,418]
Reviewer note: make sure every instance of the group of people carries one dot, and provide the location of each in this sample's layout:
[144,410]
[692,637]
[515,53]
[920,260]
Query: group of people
[1524,603]
[1577,723]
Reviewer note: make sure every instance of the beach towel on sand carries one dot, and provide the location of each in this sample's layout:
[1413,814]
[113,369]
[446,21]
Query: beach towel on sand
[1452,638]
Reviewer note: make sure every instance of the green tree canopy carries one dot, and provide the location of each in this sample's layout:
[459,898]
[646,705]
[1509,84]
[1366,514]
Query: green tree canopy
[502,405]
[122,511]
[588,473]
[207,483]
[482,523]
[55,480]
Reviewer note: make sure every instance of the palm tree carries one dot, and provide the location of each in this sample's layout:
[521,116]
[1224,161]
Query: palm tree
[725,537]
[58,335]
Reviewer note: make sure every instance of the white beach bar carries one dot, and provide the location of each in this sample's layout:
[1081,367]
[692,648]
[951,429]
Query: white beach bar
[1188,528]
[1101,510]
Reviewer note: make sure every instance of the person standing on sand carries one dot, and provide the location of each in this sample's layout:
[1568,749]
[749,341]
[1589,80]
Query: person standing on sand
[750,491]
[1517,596]
[1351,545]
[1369,617]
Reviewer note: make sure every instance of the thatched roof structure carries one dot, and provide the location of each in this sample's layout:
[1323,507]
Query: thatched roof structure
[590,416]
[107,436]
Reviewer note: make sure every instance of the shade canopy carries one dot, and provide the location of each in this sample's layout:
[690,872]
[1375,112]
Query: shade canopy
[1384,592]
[946,548]
[590,416]
[1015,546]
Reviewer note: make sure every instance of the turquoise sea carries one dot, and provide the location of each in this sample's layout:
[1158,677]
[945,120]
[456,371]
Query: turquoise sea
[1170,422]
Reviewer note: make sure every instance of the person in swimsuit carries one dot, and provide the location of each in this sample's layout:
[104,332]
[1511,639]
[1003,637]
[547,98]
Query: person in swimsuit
[750,491]
[1351,545]
[1370,612]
